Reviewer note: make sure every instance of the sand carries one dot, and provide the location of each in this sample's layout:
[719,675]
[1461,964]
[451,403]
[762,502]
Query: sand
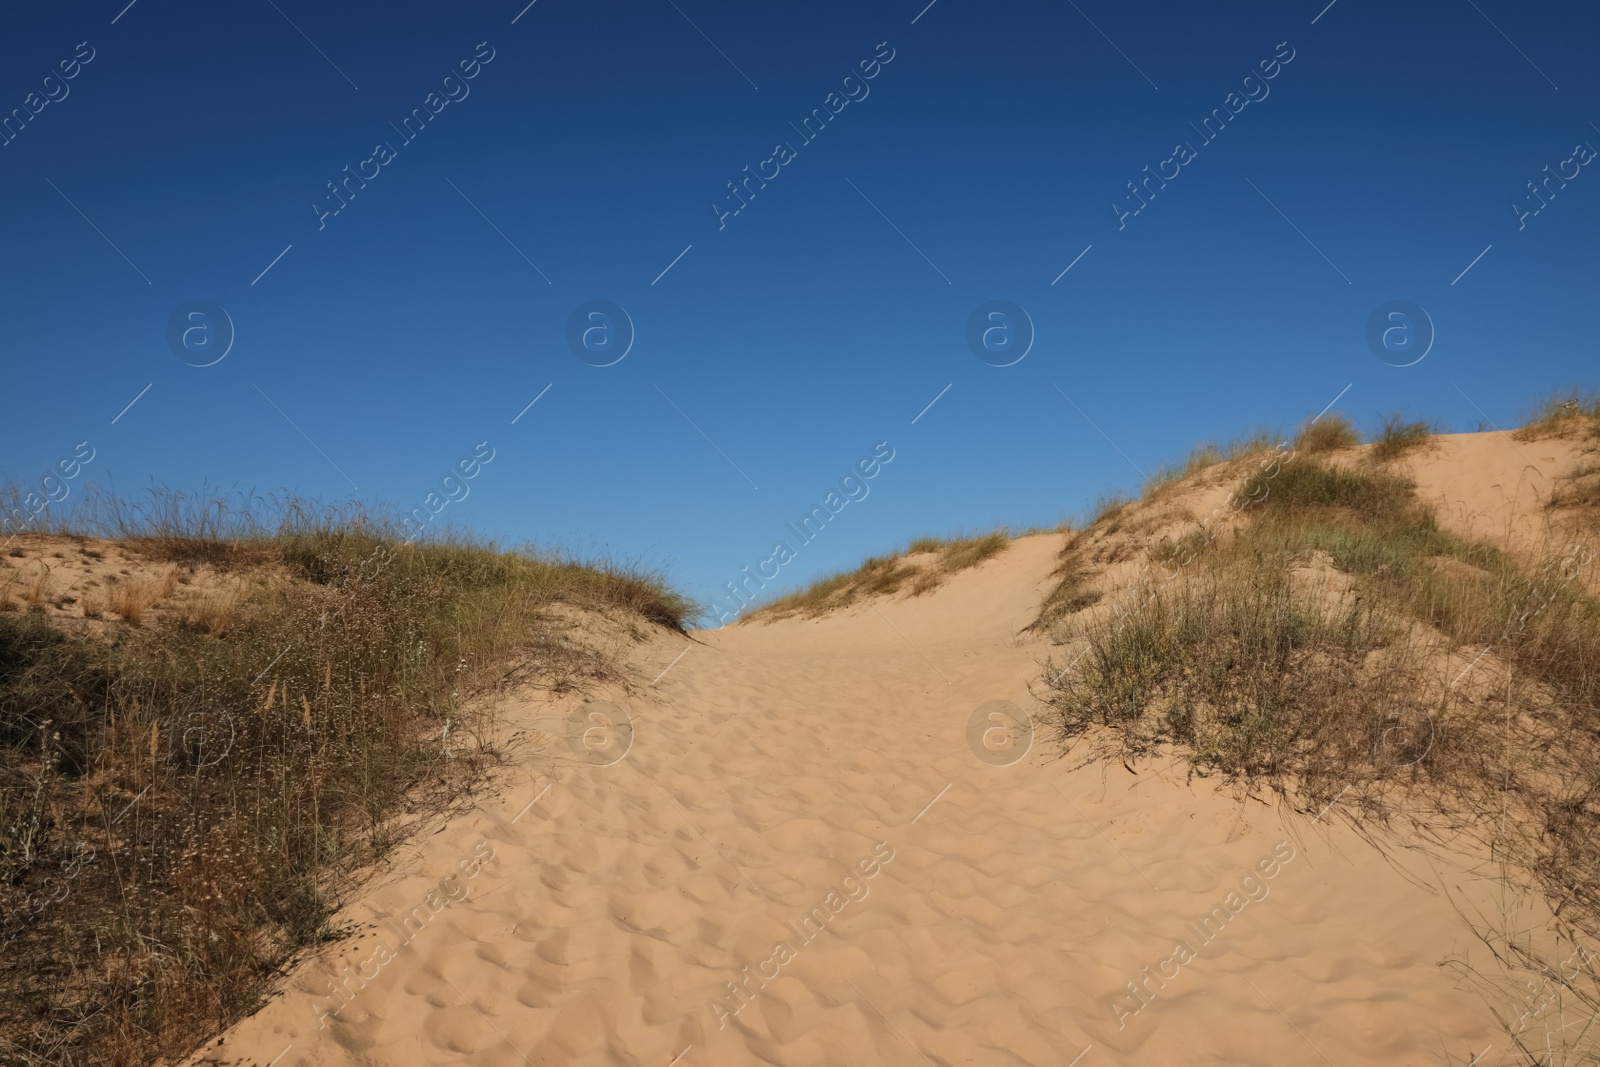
[1492,486]
[965,910]
[71,580]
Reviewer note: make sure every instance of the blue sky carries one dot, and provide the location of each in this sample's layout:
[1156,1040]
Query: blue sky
[583,158]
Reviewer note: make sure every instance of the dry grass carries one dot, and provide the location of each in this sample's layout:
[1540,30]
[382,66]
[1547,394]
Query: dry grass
[887,575]
[37,588]
[1108,507]
[202,791]
[130,600]
[1073,591]
[1561,414]
[1237,668]
[1396,437]
[215,609]
[1578,488]
[1326,646]
[1203,457]
[1330,433]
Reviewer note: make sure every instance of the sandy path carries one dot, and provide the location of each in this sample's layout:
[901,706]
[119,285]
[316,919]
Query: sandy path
[1006,909]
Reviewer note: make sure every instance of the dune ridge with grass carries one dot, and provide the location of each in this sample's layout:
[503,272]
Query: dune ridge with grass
[220,726]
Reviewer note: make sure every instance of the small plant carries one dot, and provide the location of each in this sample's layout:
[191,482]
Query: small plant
[130,601]
[1397,436]
[1330,433]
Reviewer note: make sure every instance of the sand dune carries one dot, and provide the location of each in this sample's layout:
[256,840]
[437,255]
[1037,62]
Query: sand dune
[801,860]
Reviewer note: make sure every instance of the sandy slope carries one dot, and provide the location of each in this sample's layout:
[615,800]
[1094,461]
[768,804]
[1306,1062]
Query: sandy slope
[772,768]
[1492,486]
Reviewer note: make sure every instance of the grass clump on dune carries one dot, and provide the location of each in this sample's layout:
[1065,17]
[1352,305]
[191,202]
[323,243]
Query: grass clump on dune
[1396,436]
[1330,433]
[922,566]
[1235,667]
[184,803]
[1297,488]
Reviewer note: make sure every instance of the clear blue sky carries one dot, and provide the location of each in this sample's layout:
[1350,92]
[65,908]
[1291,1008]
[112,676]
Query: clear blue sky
[975,164]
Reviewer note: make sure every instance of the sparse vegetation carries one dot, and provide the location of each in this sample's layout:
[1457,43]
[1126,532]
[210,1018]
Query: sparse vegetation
[1330,433]
[1107,507]
[1323,647]
[1578,488]
[1572,411]
[1073,591]
[1396,436]
[216,779]
[1203,457]
[886,575]
[1236,667]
